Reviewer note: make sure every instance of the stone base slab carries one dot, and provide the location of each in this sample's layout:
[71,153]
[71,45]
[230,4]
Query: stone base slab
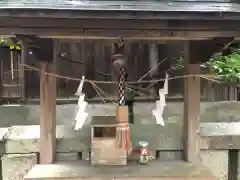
[80,170]
[16,166]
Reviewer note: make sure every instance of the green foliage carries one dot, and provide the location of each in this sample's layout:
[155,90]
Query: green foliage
[179,65]
[4,41]
[226,68]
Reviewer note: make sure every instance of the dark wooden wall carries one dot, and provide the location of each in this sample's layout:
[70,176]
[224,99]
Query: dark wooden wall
[89,58]
[11,83]
[93,59]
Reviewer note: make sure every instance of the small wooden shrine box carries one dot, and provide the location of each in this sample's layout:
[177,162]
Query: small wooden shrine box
[103,142]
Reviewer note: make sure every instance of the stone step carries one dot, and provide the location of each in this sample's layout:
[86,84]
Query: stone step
[79,170]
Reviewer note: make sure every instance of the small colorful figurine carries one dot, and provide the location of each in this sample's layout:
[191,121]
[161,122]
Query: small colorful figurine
[143,152]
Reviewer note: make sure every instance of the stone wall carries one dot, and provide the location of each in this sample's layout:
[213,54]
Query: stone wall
[26,139]
[173,113]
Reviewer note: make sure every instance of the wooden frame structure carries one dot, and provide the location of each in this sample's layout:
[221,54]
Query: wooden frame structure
[192,27]
[89,28]
[56,26]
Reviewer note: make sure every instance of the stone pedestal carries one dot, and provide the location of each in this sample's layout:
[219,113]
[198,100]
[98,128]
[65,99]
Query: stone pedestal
[16,166]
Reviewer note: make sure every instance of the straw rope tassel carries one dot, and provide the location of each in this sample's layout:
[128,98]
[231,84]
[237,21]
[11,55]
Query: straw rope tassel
[122,131]
[123,136]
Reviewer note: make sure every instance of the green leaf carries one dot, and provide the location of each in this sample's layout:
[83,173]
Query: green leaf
[11,47]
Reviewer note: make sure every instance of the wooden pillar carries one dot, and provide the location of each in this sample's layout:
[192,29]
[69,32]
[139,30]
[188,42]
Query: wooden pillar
[48,112]
[24,54]
[191,103]
[233,164]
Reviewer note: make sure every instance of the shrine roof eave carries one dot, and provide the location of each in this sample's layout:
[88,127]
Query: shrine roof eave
[131,5]
[123,10]
[111,14]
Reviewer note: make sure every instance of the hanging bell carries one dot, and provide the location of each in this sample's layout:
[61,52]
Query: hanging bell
[118,60]
[118,57]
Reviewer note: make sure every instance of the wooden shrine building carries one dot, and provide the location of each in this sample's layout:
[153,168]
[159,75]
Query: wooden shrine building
[205,26]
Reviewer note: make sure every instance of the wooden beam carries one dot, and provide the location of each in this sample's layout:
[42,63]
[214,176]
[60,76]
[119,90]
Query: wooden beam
[96,28]
[160,33]
[48,112]
[131,38]
[140,34]
[109,24]
[191,104]
[128,34]
[117,15]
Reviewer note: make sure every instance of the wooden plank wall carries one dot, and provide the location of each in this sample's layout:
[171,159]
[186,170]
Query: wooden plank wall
[93,56]
[218,92]
[10,84]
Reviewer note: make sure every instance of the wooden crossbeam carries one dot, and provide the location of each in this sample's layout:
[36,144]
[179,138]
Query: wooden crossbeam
[110,34]
[137,34]
[96,28]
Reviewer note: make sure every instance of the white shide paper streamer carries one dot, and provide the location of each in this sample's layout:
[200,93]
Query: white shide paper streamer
[81,115]
[161,103]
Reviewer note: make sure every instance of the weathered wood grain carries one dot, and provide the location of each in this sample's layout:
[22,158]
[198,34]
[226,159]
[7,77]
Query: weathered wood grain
[191,102]
[108,155]
[48,107]
[131,24]
[97,55]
